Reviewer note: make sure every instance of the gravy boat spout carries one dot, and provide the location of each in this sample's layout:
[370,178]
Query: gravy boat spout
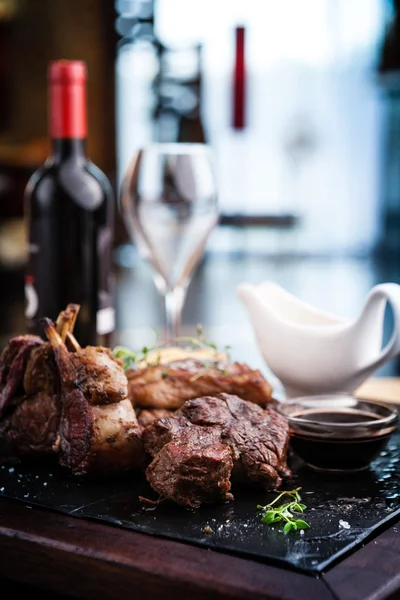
[314,352]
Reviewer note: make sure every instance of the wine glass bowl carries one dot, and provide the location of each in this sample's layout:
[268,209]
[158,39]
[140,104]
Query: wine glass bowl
[169,206]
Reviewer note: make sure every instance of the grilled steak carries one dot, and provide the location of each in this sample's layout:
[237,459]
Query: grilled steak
[257,440]
[170,385]
[98,432]
[194,468]
[163,431]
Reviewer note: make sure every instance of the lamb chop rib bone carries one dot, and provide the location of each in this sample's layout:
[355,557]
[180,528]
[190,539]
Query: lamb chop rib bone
[66,320]
[94,436]
[41,373]
[71,342]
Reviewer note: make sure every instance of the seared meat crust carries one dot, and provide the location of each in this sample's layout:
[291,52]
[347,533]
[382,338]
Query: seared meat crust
[32,427]
[95,372]
[13,362]
[170,385]
[195,468]
[41,373]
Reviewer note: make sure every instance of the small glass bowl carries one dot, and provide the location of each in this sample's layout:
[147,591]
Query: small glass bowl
[338,432]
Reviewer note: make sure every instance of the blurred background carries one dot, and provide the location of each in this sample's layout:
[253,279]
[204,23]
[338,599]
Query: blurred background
[300,102]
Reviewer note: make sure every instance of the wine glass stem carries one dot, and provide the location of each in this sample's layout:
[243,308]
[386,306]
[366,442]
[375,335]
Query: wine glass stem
[174,300]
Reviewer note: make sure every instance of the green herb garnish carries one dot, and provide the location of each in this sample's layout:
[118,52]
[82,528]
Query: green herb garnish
[128,357]
[285,512]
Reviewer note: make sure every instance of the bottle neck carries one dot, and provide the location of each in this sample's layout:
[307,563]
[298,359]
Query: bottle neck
[67,118]
[68,148]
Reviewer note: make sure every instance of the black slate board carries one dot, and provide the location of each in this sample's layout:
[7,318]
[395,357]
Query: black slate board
[367,502]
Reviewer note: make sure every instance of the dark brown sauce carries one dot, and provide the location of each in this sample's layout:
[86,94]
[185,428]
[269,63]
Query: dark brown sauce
[337,453]
[336,416]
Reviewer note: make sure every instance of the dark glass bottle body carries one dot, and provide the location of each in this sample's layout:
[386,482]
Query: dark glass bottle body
[69,206]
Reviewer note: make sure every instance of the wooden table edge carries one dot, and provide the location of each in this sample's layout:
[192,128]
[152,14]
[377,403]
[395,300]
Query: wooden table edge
[88,559]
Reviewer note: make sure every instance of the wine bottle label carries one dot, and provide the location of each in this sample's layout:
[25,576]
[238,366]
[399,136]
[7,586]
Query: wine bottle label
[105,320]
[31,298]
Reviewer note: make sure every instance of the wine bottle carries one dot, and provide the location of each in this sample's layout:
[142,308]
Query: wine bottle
[69,209]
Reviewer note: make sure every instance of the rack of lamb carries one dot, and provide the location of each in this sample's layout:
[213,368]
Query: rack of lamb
[58,397]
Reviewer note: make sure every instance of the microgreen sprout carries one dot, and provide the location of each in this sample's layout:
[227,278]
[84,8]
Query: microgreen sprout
[286,513]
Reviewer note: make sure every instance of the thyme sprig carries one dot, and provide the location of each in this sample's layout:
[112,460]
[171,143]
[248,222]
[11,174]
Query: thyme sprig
[131,359]
[271,513]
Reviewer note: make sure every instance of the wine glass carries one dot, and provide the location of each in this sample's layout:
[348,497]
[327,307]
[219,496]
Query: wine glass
[169,206]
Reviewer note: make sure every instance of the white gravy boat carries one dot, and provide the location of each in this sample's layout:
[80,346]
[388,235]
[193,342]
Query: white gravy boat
[314,352]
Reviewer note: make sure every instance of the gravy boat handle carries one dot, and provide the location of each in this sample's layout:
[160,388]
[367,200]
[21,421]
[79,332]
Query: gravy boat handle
[387,293]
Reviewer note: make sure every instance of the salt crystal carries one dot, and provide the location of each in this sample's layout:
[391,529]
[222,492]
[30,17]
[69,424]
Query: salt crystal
[344,524]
